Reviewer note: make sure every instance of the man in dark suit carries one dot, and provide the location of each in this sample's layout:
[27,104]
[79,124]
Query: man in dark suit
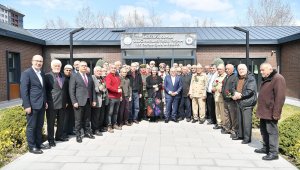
[34,102]
[173,87]
[82,95]
[185,109]
[54,81]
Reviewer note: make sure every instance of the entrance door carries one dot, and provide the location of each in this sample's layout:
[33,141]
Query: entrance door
[13,75]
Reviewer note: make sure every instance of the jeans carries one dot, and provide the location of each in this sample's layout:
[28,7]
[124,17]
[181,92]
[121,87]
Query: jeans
[135,105]
[113,111]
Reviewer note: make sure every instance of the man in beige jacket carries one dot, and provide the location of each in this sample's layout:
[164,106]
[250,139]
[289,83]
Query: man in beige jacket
[198,94]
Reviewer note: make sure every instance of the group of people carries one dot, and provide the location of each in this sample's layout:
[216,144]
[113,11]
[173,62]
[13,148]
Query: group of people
[87,104]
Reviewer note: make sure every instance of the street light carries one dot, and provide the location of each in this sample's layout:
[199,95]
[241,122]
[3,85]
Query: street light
[247,42]
[71,42]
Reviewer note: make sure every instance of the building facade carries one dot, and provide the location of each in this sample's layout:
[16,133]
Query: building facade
[11,16]
[276,45]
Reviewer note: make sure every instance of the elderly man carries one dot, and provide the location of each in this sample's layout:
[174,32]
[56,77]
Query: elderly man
[193,69]
[118,65]
[230,124]
[198,94]
[270,102]
[113,84]
[246,96]
[83,96]
[33,95]
[173,88]
[54,81]
[210,101]
[136,84]
[185,101]
[152,64]
[99,87]
[76,66]
[218,98]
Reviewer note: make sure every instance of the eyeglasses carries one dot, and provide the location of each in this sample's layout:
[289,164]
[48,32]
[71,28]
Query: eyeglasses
[67,70]
[39,61]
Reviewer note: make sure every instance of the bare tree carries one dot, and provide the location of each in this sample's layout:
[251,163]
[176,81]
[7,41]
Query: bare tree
[155,19]
[208,23]
[59,23]
[114,19]
[101,20]
[86,18]
[270,13]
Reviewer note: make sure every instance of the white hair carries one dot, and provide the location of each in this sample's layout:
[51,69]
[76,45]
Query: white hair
[97,68]
[243,66]
[55,62]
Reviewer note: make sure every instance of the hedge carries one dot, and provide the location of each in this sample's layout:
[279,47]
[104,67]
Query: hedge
[289,137]
[12,133]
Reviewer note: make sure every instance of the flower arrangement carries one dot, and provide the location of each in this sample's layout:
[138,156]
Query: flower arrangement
[228,94]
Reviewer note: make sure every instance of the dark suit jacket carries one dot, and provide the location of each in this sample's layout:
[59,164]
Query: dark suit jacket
[33,92]
[54,91]
[168,85]
[65,93]
[186,81]
[79,93]
[150,82]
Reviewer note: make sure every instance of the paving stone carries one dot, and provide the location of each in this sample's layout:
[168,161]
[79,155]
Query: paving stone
[80,166]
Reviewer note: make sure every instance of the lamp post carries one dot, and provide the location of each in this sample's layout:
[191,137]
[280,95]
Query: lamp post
[247,42]
[71,42]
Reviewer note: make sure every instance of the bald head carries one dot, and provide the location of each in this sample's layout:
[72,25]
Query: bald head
[37,62]
[229,69]
[266,69]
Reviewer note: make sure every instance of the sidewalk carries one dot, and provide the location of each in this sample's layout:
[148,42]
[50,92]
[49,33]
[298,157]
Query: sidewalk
[10,103]
[153,146]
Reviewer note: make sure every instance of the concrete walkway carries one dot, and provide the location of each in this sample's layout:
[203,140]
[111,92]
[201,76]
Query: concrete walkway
[153,146]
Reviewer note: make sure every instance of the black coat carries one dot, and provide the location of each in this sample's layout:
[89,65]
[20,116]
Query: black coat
[249,92]
[150,82]
[137,82]
[186,82]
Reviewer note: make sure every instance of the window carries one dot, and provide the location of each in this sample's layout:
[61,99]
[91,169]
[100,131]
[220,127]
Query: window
[155,53]
[13,67]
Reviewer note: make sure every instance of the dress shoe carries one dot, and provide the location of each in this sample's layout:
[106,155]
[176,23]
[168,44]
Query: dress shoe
[78,139]
[194,121]
[217,127]
[98,133]
[201,121]
[35,151]
[237,138]
[42,146]
[136,122]
[188,119]
[166,121]
[117,127]
[180,119]
[175,120]
[52,144]
[88,135]
[209,122]
[127,123]
[62,139]
[110,130]
[72,133]
[233,135]
[270,157]
[246,141]
[261,150]
[223,131]
[103,130]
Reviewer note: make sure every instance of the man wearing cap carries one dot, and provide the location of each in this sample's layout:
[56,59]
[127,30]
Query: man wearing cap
[198,94]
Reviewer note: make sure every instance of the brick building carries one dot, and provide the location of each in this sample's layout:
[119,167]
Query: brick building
[277,45]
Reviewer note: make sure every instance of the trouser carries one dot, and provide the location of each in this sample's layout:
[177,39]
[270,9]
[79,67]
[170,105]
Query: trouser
[69,120]
[245,123]
[135,108]
[35,122]
[103,115]
[51,115]
[113,111]
[123,114]
[198,105]
[82,118]
[142,111]
[269,133]
[95,118]
[210,105]
[230,115]
[185,110]
[171,105]
[219,112]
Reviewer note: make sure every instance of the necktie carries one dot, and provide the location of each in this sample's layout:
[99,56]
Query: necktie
[59,80]
[85,80]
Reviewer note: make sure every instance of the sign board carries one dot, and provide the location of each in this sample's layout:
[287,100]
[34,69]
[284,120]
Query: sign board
[158,40]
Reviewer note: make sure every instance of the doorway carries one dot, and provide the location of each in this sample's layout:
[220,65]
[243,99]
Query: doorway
[13,75]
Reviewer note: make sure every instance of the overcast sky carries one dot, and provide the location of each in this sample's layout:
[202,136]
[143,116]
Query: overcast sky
[172,12]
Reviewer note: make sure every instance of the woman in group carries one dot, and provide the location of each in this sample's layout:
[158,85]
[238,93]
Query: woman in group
[154,86]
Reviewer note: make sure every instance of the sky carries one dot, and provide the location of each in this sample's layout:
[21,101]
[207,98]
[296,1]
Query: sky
[174,13]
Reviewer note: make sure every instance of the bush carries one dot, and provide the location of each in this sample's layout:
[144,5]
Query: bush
[12,133]
[289,141]
[255,120]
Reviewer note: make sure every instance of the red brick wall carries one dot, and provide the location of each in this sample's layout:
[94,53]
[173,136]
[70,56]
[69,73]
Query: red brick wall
[290,62]
[26,50]
[107,53]
[206,54]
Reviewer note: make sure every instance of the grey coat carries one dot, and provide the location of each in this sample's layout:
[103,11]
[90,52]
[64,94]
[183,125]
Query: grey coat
[97,83]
